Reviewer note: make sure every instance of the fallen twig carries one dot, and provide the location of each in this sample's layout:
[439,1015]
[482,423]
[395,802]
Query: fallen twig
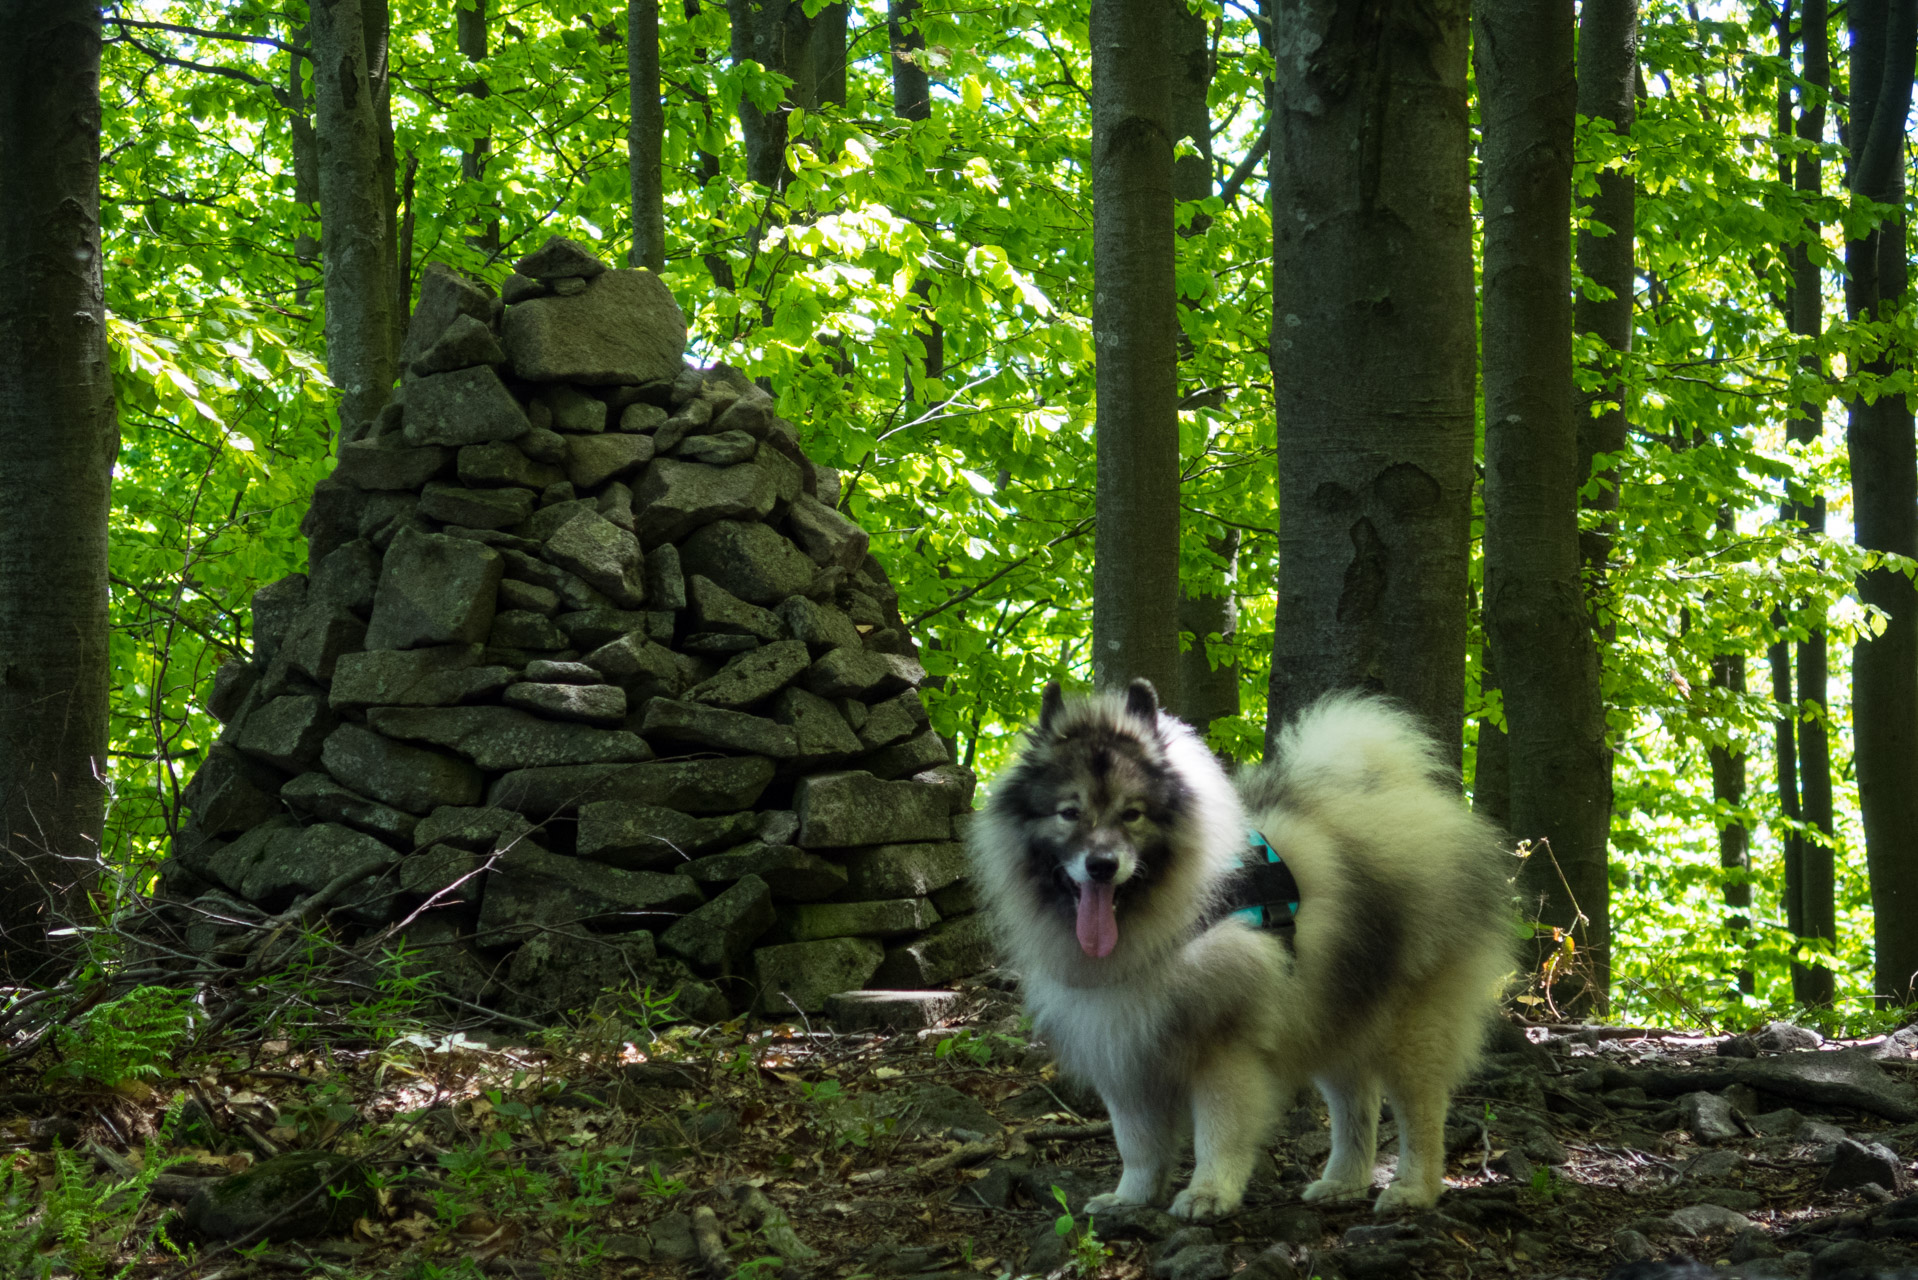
[711,1243]
[771,1221]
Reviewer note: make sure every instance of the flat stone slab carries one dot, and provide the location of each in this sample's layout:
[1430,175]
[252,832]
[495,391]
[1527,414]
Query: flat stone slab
[753,561]
[503,463]
[592,461]
[319,795]
[479,508]
[904,870]
[287,732]
[804,975]
[668,720]
[406,777]
[717,609]
[445,295]
[375,464]
[823,627]
[892,919]
[602,554]
[465,343]
[719,934]
[529,888]
[674,497]
[752,677]
[722,449]
[591,704]
[502,738]
[465,406]
[838,810]
[642,836]
[794,874]
[949,950]
[434,589]
[863,674]
[623,328]
[821,734]
[826,535]
[690,786]
[436,676]
[890,1010]
[271,864]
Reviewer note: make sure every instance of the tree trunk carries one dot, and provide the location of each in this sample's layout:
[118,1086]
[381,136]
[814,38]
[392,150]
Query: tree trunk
[1734,840]
[1135,324]
[355,216]
[375,35]
[826,58]
[1785,752]
[771,33]
[1811,881]
[911,87]
[1534,601]
[306,166]
[1372,355]
[1203,693]
[59,436]
[646,135]
[473,47]
[1884,487]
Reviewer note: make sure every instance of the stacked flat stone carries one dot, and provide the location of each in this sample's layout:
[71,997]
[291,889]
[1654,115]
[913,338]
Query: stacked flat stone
[589,660]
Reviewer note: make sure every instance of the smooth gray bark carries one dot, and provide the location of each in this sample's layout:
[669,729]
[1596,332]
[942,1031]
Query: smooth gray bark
[355,215]
[911,87]
[1535,610]
[473,42]
[306,164]
[1734,840]
[646,134]
[59,436]
[1884,487]
[1135,576]
[1372,355]
[775,34]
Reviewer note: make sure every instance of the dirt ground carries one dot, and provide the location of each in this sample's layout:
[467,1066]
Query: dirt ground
[797,1150]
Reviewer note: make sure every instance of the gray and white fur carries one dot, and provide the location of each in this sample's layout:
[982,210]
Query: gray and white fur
[1103,857]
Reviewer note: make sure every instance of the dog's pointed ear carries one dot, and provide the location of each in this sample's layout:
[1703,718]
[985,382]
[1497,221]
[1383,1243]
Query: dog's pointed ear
[1051,703]
[1142,700]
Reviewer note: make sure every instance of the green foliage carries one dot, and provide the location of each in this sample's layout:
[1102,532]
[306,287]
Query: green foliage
[128,1038]
[78,1223]
[1085,1252]
[844,1120]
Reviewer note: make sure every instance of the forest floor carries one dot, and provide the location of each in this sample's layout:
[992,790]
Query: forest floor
[757,1150]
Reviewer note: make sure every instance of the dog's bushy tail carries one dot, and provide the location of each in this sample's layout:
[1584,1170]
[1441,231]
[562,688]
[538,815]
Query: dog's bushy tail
[1355,742]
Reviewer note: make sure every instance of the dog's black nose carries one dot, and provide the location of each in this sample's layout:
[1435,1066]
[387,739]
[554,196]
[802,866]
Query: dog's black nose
[1101,866]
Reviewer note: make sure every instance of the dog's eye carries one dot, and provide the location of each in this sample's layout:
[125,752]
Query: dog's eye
[1069,812]
[1132,815]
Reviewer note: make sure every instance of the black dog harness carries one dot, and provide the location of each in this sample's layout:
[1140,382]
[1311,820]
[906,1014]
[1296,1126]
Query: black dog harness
[1263,891]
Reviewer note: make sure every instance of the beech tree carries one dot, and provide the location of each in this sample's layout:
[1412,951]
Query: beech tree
[59,435]
[645,136]
[1372,355]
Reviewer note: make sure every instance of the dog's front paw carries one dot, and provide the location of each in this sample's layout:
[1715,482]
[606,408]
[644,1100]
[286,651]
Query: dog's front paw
[1108,1202]
[1331,1189]
[1402,1198]
[1203,1203]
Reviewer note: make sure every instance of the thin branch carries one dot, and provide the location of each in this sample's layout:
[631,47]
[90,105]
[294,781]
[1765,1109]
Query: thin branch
[203,33]
[973,590]
[1260,147]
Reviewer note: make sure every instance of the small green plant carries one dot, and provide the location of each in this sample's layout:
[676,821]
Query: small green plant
[79,1223]
[965,1043]
[1546,1183]
[1085,1252]
[659,1185]
[765,1268]
[123,1039]
[842,1120]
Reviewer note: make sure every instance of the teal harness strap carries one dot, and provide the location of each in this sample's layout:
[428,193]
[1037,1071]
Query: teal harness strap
[1268,884]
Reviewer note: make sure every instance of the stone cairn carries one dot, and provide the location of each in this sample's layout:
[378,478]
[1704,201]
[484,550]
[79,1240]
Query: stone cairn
[590,667]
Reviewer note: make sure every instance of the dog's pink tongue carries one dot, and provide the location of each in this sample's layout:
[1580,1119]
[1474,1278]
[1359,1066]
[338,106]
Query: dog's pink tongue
[1098,927]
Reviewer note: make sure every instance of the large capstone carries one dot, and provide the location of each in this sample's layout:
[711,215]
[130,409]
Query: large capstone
[624,328]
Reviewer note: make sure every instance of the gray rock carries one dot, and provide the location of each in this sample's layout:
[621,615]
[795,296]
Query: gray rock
[624,328]
[719,934]
[529,888]
[1714,1166]
[388,464]
[573,410]
[437,952]
[1708,1219]
[673,497]
[1631,1246]
[837,810]
[645,837]
[593,460]
[557,259]
[434,590]
[957,782]
[271,864]
[1844,1078]
[1784,1037]
[602,554]
[804,975]
[232,682]
[229,792]
[716,644]
[502,463]
[690,786]
[720,450]
[752,677]
[826,535]
[445,296]
[287,732]
[524,629]
[567,969]
[822,736]
[409,778]
[591,628]
[665,580]
[500,738]
[594,704]
[904,870]
[793,874]
[319,796]
[546,671]
[466,406]
[929,1107]
[478,508]
[821,626]
[717,609]
[478,828]
[667,720]
[347,577]
[951,949]
[962,897]
[893,919]
[287,1197]
[753,561]
[320,636]
[465,343]
[640,417]
[903,1011]
[890,721]
[443,867]
[437,676]
[643,668]
[517,596]
[1776,1124]
[863,674]
[1856,1163]
[1709,1117]
[1196,1262]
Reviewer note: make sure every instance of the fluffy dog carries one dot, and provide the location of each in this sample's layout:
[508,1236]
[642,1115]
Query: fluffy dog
[1108,858]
